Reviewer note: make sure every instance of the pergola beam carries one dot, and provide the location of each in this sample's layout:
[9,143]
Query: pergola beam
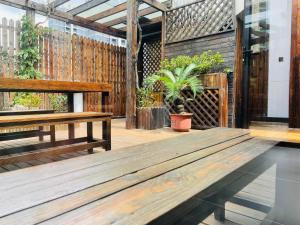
[109,12]
[57,3]
[157,5]
[86,6]
[112,11]
[123,19]
[148,23]
[43,9]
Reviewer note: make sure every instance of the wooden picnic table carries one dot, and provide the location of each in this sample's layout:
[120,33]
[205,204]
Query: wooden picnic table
[54,86]
[54,147]
[154,183]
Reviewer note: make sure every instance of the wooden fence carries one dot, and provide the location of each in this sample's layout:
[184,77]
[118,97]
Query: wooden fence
[72,58]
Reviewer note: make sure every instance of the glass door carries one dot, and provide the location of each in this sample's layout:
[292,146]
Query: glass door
[256,60]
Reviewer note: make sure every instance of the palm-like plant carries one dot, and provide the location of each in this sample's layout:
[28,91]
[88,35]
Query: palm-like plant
[175,82]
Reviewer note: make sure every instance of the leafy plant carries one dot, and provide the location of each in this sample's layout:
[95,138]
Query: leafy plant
[146,97]
[29,55]
[26,61]
[58,102]
[28,100]
[228,70]
[175,82]
[207,62]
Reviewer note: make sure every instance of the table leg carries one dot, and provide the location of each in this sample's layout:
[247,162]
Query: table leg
[106,134]
[105,102]
[71,127]
[52,133]
[41,136]
[219,211]
[71,131]
[89,131]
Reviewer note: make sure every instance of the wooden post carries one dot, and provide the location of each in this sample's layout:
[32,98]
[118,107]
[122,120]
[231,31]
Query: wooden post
[89,131]
[105,105]
[140,65]
[163,35]
[52,133]
[294,93]
[106,134]
[131,69]
[244,118]
[41,136]
[30,13]
[219,211]
[71,127]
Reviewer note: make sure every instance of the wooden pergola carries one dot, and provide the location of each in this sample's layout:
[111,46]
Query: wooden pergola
[119,19]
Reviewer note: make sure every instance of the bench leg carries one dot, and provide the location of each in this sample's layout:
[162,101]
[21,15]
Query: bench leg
[89,131]
[219,211]
[71,130]
[52,133]
[41,136]
[106,134]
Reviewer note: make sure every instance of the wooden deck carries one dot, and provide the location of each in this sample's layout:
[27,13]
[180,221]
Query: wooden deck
[275,131]
[160,182]
[121,138]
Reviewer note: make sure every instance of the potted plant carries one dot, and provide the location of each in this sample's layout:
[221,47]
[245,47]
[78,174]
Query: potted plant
[150,113]
[175,82]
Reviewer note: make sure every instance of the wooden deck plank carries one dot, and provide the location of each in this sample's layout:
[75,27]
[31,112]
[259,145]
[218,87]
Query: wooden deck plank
[10,167]
[212,136]
[45,160]
[35,155]
[51,188]
[104,189]
[35,162]
[22,165]
[145,202]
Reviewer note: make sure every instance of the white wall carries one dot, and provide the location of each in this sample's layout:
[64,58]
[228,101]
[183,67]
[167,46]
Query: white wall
[78,102]
[280,44]
[239,6]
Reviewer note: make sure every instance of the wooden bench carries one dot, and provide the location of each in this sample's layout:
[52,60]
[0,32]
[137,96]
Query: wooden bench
[155,183]
[15,154]
[54,86]
[19,134]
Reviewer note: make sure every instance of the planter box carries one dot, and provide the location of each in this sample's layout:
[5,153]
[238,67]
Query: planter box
[150,118]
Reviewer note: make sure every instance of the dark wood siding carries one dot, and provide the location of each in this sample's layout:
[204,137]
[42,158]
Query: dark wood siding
[223,43]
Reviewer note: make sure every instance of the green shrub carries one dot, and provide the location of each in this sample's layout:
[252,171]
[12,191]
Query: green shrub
[28,100]
[58,102]
[145,97]
[207,62]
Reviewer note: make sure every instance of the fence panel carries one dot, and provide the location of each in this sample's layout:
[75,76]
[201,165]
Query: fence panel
[70,58]
[198,19]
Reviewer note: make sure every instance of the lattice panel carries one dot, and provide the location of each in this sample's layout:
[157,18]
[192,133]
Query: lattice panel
[199,19]
[205,108]
[151,59]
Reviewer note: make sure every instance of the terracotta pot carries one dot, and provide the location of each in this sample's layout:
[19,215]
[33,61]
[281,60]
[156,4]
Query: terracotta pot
[181,122]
